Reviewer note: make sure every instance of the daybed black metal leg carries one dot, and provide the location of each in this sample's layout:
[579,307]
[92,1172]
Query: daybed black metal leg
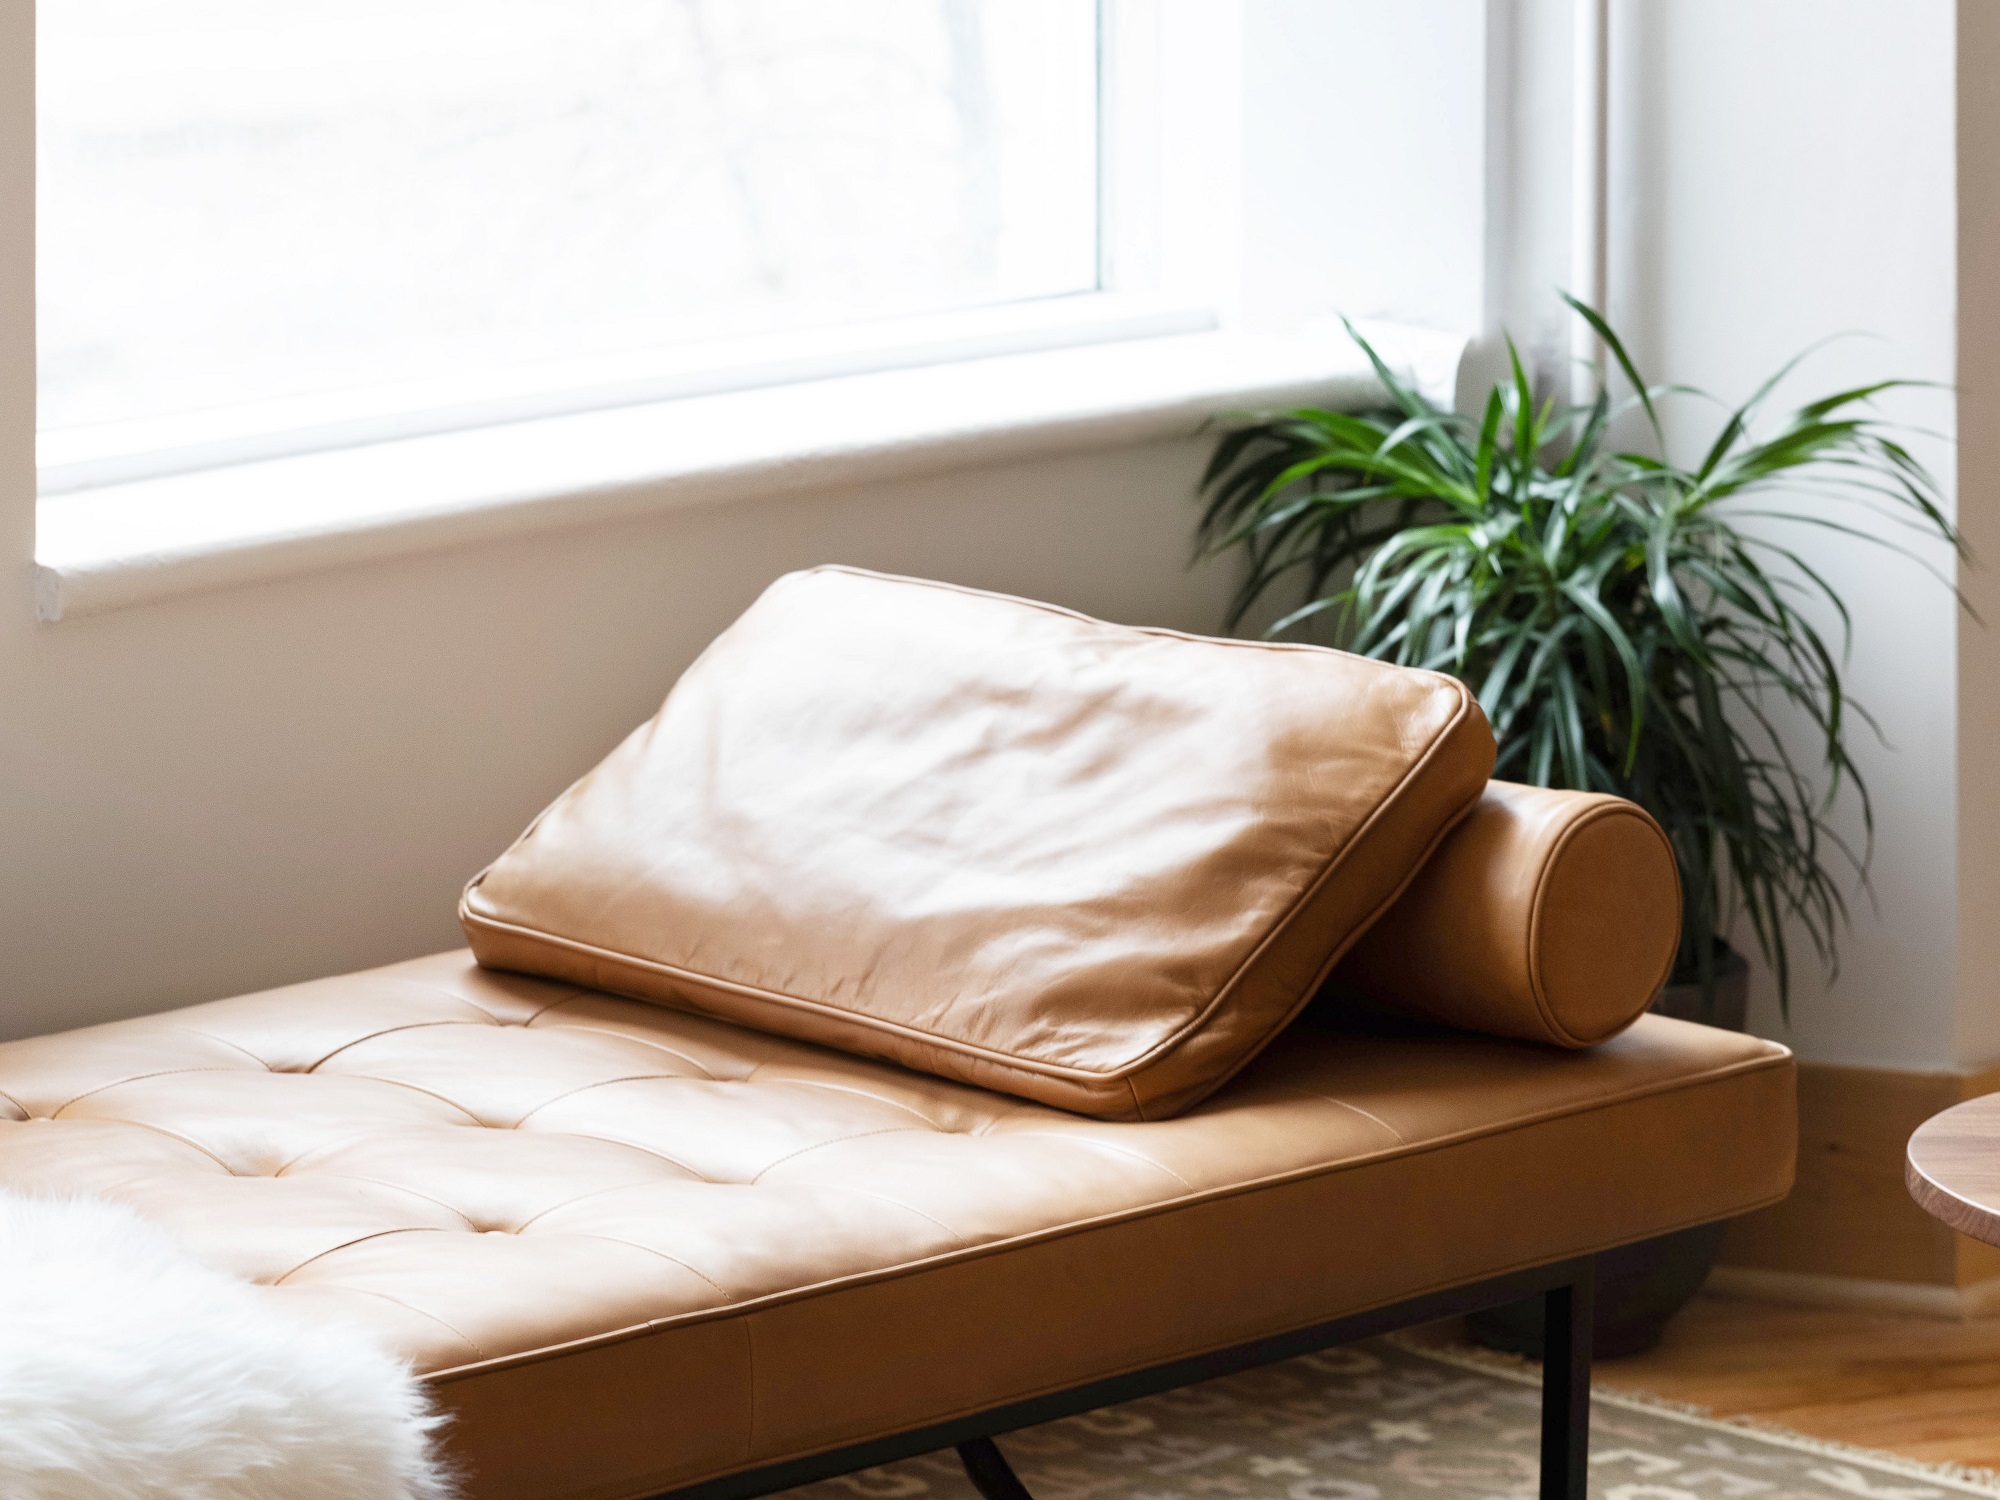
[987,1467]
[1566,1325]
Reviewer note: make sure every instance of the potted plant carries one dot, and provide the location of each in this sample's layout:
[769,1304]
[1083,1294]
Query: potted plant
[1624,630]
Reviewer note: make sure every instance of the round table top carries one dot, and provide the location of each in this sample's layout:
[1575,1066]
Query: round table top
[1952,1167]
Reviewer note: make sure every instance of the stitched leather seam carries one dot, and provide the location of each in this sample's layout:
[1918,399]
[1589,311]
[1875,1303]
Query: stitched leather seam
[848,1187]
[137,1078]
[175,1135]
[26,1113]
[1778,1058]
[556,1208]
[367,1133]
[386,1031]
[839,1140]
[1537,987]
[854,1093]
[359,1239]
[609,1140]
[223,1041]
[366,1291]
[602,1083]
[611,1239]
[623,1036]
[395,1187]
[572,991]
[415,1088]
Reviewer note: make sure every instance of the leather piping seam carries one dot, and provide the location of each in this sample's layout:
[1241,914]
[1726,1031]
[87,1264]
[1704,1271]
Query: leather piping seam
[1341,950]
[1279,926]
[1112,1371]
[1537,985]
[1778,1059]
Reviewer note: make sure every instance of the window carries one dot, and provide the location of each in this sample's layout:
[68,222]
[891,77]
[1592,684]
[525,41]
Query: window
[271,225]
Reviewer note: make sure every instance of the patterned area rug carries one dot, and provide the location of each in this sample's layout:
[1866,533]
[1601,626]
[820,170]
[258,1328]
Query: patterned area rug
[1390,1420]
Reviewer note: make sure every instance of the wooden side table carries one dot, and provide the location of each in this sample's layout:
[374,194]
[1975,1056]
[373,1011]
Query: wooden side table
[1952,1167]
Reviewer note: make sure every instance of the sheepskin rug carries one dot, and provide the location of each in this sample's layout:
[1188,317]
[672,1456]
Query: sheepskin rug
[130,1371]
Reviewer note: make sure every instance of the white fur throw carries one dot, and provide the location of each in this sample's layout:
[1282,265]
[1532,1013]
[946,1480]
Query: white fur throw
[130,1371]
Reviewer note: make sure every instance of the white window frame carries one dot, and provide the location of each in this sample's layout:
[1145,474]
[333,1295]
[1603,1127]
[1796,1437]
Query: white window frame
[1171,342]
[1162,259]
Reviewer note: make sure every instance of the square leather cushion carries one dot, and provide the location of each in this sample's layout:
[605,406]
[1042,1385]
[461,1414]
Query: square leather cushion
[1095,866]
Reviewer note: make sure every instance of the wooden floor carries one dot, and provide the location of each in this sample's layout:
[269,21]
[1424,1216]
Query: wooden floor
[1926,1389]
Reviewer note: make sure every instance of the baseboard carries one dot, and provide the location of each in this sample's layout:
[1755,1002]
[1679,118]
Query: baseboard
[1913,1299]
[1849,1222]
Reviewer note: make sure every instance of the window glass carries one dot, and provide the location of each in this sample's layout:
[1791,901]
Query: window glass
[247,200]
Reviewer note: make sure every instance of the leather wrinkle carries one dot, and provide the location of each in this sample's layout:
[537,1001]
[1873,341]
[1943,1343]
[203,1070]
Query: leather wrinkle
[1104,1146]
[1372,1118]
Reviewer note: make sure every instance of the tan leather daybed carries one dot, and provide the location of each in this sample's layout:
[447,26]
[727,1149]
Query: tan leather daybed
[657,1240]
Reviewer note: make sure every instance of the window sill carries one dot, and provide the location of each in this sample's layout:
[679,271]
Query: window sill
[129,544]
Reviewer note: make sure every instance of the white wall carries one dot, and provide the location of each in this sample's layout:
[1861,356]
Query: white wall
[1364,161]
[1782,171]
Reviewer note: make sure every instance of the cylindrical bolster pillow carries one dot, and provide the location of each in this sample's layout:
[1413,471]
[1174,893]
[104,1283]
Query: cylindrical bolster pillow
[1551,916]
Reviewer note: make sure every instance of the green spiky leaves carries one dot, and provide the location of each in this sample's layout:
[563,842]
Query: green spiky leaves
[1623,628]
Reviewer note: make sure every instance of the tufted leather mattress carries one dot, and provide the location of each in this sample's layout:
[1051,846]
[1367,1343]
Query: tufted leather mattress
[634,1248]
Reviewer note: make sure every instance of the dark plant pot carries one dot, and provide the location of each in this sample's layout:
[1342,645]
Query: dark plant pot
[1639,1286]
